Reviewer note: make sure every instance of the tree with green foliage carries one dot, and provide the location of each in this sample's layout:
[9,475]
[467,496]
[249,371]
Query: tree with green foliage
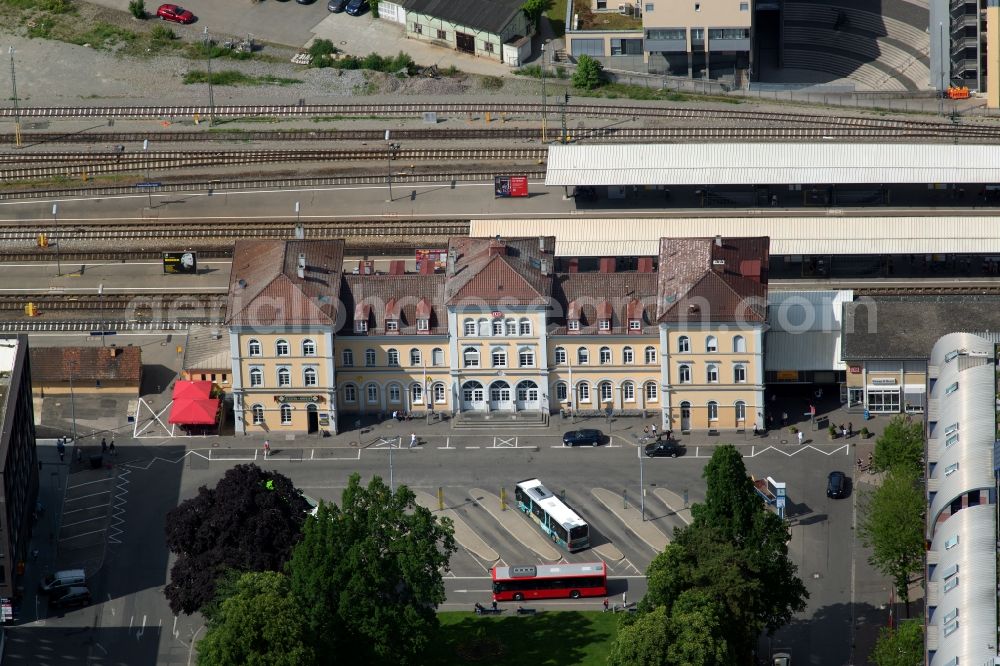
[373,5]
[642,640]
[137,8]
[258,623]
[735,554]
[696,625]
[249,522]
[368,574]
[901,445]
[589,73]
[892,525]
[534,10]
[902,646]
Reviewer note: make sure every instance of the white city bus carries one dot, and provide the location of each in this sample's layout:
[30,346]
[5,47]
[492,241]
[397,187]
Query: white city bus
[551,514]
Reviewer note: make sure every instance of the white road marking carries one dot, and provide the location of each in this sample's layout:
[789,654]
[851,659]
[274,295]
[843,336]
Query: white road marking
[87,483]
[73,499]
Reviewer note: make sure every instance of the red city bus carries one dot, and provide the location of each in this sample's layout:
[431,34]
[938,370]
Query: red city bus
[549,581]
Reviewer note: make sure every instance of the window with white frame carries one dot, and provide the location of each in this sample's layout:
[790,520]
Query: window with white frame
[392,325]
[369,357]
[573,324]
[628,392]
[683,344]
[498,327]
[308,347]
[606,391]
[712,373]
[711,344]
[713,410]
[951,542]
[604,355]
[951,469]
[604,324]
[583,392]
[740,374]
[284,376]
[392,358]
[286,414]
[484,328]
[470,358]
[741,410]
[651,392]
[415,357]
[347,358]
[511,327]
[739,344]
[561,392]
[256,376]
[394,392]
[360,326]
[371,393]
[281,348]
[560,356]
[350,393]
[437,356]
[469,327]
[583,356]
[684,374]
[951,584]
[309,377]
[650,355]
[439,394]
[416,394]
[254,348]
[526,358]
[524,327]
[499,358]
[634,324]
[257,412]
[423,324]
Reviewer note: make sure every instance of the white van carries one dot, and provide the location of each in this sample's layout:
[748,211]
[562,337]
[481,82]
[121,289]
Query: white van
[61,579]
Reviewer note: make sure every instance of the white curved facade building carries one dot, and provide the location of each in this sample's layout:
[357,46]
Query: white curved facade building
[961,496]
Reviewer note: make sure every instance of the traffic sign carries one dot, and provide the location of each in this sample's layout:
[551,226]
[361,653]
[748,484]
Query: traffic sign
[96,333]
[148,184]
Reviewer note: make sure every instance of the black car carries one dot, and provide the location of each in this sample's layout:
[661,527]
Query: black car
[836,485]
[336,6]
[357,7]
[305,2]
[574,437]
[71,596]
[664,448]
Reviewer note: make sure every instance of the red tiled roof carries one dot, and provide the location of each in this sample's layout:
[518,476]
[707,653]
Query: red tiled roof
[511,277]
[86,365]
[587,296]
[713,279]
[424,308]
[265,289]
[604,310]
[365,295]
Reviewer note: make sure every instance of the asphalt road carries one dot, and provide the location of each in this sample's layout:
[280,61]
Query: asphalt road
[132,624]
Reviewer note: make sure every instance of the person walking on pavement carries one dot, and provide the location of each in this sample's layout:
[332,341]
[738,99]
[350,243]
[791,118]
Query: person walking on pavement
[800,436]
[843,431]
[850,429]
[784,419]
[413,439]
[104,445]
[79,454]
[267,448]
[624,601]
[494,606]
[111,447]
[652,430]
[605,604]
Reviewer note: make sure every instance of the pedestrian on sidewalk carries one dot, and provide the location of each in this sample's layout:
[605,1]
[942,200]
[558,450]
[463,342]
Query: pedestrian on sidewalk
[104,445]
[850,429]
[800,435]
[784,419]
[267,448]
[843,431]
[652,430]
[624,600]
[111,448]
[605,604]
[79,454]
[413,439]
[494,606]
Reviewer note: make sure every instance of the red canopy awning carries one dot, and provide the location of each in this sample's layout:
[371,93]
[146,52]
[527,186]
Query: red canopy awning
[192,390]
[195,412]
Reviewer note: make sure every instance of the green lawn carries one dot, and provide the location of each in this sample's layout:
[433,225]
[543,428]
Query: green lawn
[557,17]
[551,638]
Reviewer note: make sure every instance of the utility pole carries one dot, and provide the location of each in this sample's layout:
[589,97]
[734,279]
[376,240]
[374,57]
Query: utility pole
[100,300]
[300,233]
[211,97]
[17,110]
[544,96]
[642,487]
[149,188]
[565,134]
[55,221]
[390,150]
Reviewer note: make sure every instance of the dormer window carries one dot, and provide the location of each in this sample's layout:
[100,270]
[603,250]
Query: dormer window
[573,317]
[392,309]
[573,325]
[604,317]
[604,324]
[424,317]
[392,325]
[361,327]
[362,314]
[634,325]
[634,315]
[423,325]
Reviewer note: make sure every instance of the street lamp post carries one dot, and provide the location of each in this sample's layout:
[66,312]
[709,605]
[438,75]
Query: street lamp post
[149,188]
[100,300]
[13,94]
[299,231]
[55,241]
[390,149]
[642,486]
[544,96]
[208,58]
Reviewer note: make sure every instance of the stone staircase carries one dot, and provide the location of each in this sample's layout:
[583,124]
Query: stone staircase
[498,419]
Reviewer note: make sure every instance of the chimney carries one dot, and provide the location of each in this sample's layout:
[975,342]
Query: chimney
[497,247]
[302,266]
[451,264]
[113,352]
[427,267]
[718,241]
[546,266]
[607,264]
[574,265]
[398,267]
[645,264]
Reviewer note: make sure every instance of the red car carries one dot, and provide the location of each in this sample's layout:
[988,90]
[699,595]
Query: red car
[175,13]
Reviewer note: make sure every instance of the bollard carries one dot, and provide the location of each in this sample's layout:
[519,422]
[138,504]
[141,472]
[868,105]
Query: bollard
[685,498]
[503,499]
[440,498]
[625,498]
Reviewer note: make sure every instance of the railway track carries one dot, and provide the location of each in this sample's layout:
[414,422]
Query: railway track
[416,110]
[135,305]
[745,133]
[76,163]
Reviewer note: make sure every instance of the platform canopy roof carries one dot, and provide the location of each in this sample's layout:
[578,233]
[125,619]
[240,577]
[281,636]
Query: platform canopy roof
[831,163]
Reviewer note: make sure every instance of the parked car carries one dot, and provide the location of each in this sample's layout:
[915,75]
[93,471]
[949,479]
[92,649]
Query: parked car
[584,437]
[836,485]
[305,2]
[71,596]
[336,6]
[356,7]
[62,579]
[174,13]
[664,448]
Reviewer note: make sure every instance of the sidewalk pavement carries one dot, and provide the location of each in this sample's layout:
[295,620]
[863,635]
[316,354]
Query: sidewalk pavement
[466,537]
[516,525]
[632,519]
